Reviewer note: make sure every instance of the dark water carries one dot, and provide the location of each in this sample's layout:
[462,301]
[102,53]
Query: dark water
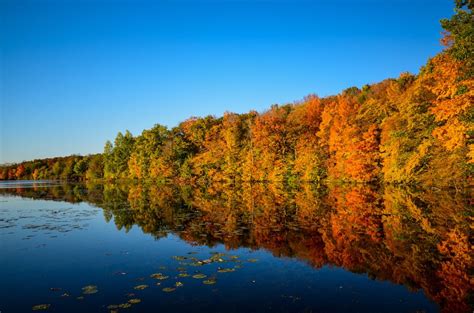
[83,248]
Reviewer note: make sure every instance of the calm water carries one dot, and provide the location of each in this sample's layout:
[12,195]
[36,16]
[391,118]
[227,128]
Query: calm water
[104,248]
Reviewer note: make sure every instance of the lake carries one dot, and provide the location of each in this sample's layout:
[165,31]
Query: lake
[252,248]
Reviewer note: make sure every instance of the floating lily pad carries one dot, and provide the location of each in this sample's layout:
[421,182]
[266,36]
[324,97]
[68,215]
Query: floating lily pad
[210,281]
[183,275]
[199,276]
[89,289]
[168,289]
[178,284]
[41,307]
[217,257]
[226,270]
[125,305]
[179,258]
[134,301]
[140,287]
[159,276]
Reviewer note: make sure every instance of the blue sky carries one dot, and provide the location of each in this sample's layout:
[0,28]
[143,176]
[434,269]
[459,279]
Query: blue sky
[74,73]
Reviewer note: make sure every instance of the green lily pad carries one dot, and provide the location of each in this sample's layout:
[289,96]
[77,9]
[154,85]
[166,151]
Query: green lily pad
[125,305]
[199,276]
[178,284]
[159,276]
[183,275]
[197,263]
[226,270]
[41,307]
[179,258]
[134,301]
[209,281]
[140,287]
[89,289]
[217,257]
[168,289]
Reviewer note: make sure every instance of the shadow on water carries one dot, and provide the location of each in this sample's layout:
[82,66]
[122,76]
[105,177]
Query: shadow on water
[420,239]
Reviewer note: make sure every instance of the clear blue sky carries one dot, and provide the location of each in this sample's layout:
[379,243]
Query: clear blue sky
[74,73]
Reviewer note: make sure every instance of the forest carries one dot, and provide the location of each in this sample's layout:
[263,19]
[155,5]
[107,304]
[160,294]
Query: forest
[410,130]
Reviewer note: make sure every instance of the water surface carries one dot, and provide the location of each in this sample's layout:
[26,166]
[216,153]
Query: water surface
[252,248]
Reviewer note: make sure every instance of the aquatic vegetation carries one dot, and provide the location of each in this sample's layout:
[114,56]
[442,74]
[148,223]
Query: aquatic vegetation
[134,301]
[159,276]
[210,281]
[168,289]
[125,305]
[225,270]
[140,287]
[89,289]
[41,307]
[178,284]
[179,258]
[199,276]
[183,275]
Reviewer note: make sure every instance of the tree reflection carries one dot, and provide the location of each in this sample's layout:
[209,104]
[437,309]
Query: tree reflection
[418,238]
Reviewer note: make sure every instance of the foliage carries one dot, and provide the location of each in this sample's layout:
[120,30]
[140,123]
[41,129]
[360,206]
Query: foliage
[416,129]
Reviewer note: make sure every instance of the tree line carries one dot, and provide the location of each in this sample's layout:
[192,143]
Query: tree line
[415,129]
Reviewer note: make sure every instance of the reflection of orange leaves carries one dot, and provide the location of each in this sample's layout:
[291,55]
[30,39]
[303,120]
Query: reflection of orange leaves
[457,284]
[456,245]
